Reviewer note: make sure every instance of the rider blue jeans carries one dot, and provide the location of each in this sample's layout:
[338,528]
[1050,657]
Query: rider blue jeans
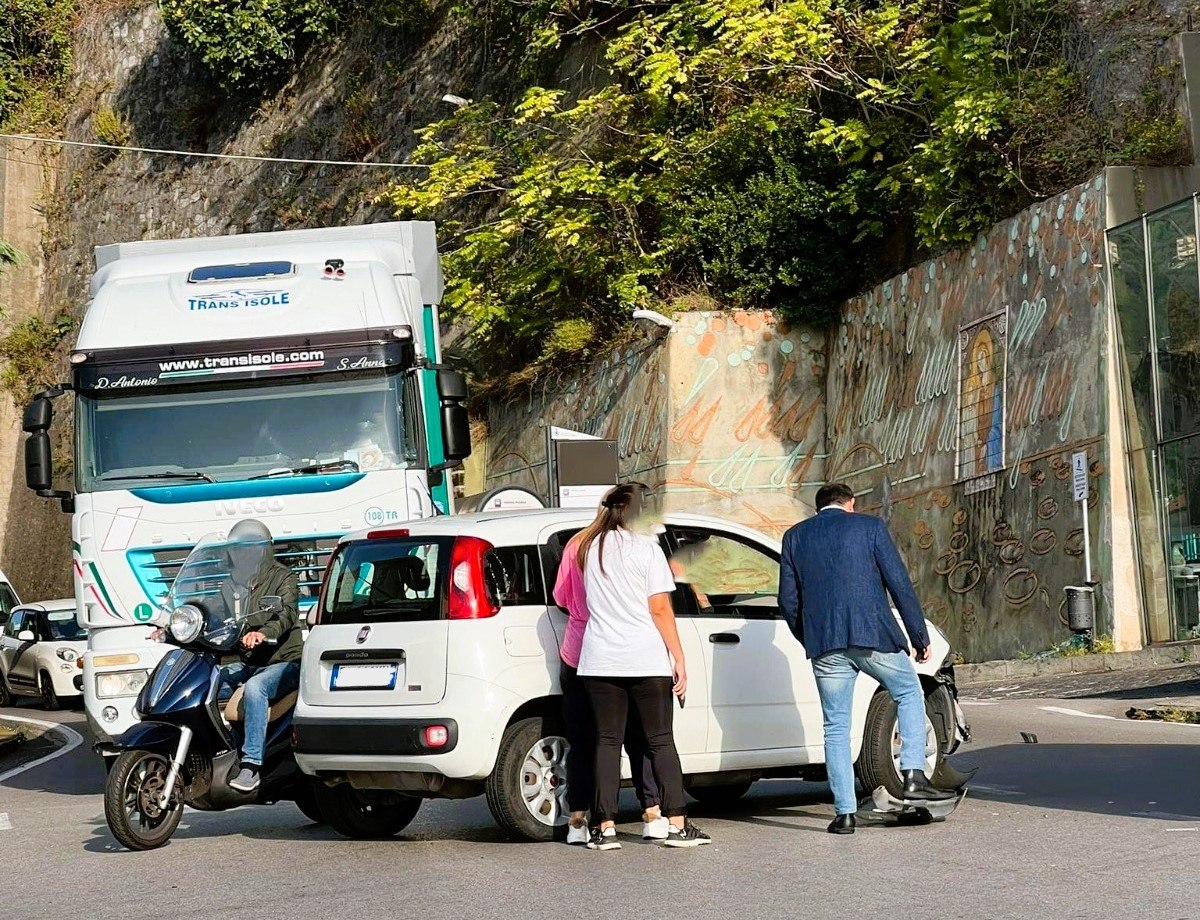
[836,674]
[262,686]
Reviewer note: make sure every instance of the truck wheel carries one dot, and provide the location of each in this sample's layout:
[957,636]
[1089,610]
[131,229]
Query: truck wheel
[879,761]
[131,800]
[527,790]
[50,701]
[720,796]
[365,814]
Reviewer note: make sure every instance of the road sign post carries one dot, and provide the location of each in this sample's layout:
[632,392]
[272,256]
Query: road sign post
[1079,486]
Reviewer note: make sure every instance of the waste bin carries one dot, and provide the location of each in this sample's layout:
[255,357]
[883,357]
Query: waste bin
[1081,608]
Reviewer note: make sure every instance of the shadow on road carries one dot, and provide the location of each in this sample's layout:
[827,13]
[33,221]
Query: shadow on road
[1140,780]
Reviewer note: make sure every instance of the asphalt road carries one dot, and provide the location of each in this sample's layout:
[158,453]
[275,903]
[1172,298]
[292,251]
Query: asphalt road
[1100,818]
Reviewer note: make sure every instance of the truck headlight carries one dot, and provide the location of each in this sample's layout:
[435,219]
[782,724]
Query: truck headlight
[67,654]
[111,684]
[186,623]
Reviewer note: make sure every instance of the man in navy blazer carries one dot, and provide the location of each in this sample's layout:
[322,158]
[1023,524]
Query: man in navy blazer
[837,570]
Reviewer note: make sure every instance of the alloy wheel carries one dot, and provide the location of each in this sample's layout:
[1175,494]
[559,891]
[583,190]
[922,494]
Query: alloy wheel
[544,781]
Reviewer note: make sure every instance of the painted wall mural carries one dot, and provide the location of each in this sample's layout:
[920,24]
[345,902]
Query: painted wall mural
[957,392]
[737,414]
[725,416]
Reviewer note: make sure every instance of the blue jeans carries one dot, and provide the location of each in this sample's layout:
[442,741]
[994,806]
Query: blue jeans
[262,686]
[836,674]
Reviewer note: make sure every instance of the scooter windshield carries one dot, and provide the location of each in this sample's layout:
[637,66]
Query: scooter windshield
[210,598]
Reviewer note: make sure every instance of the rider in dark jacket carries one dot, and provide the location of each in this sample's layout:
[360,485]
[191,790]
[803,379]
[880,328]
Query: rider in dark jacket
[270,653]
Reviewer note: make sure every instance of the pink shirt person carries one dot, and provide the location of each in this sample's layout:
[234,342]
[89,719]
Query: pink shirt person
[570,595]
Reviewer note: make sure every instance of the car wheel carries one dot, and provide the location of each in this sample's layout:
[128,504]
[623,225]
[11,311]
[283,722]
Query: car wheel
[306,800]
[527,790]
[722,795]
[50,701]
[6,697]
[365,814]
[131,800]
[879,762]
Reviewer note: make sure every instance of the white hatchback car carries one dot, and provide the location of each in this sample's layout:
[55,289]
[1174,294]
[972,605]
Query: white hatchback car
[41,653]
[431,670]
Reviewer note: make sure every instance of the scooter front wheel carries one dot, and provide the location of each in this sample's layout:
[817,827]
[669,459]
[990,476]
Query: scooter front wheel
[132,800]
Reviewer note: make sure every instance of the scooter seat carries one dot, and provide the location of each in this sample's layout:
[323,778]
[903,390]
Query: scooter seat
[233,709]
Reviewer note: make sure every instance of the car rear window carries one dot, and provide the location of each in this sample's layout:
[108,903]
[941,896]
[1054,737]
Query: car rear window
[387,581]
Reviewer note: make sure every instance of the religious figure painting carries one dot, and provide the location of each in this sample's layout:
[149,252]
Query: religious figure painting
[982,364]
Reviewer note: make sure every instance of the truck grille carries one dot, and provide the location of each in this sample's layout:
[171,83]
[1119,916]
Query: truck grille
[156,568]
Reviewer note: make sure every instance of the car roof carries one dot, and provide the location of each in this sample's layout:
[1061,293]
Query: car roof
[505,528]
[66,603]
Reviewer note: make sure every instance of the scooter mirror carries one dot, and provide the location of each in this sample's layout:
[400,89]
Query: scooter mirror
[272,602]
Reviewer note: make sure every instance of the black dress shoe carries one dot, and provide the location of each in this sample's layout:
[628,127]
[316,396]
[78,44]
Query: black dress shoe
[842,824]
[919,789]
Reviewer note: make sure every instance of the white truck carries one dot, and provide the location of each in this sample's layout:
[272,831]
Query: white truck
[291,377]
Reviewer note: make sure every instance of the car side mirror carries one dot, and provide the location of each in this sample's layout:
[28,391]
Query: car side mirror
[26,635]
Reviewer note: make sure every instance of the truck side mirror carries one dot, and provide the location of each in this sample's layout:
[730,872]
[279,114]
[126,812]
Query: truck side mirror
[39,458]
[39,462]
[39,415]
[456,424]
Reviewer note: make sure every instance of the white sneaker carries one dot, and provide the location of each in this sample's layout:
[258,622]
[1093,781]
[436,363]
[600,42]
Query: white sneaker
[578,836]
[658,829]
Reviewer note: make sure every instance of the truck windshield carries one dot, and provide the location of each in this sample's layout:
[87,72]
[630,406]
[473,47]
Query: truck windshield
[235,433]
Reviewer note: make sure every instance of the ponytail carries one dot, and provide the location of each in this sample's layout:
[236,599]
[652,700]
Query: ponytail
[620,506]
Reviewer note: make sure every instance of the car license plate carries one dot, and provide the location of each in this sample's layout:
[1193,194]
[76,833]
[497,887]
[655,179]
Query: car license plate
[364,676]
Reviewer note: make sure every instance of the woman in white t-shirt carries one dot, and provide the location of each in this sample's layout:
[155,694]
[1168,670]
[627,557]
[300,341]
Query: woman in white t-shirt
[631,656]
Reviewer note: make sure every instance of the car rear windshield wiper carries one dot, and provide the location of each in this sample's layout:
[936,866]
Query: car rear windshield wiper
[344,466]
[195,475]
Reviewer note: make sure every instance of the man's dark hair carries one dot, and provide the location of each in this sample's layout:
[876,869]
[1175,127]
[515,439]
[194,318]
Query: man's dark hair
[834,493]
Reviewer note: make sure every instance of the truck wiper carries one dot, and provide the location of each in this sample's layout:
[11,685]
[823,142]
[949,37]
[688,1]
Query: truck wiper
[345,466]
[195,475]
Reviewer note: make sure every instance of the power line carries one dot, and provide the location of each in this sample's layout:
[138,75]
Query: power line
[213,156]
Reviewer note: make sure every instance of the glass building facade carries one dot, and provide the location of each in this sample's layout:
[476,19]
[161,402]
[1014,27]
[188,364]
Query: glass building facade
[1155,280]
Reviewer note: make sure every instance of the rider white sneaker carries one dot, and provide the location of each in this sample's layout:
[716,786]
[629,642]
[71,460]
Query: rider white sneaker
[658,829]
[578,836]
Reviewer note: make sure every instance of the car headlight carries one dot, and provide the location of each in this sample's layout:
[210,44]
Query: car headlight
[111,684]
[67,654]
[186,623]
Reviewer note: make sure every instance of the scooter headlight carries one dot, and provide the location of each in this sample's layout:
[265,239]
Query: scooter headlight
[186,623]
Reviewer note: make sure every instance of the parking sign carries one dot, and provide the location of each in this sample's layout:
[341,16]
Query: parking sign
[1079,471]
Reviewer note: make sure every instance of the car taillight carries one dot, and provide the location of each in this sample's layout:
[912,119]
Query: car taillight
[436,736]
[468,591]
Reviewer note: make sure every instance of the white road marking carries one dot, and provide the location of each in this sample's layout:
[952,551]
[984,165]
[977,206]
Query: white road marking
[5,824]
[978,703]
[1076,712]
[74,739]
[1181,830]
[1164,816]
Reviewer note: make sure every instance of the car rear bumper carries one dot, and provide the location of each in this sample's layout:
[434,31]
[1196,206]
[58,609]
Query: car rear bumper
[385,739]
[370,737]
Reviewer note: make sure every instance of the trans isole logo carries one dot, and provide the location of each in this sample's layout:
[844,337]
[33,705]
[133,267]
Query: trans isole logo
[240,300]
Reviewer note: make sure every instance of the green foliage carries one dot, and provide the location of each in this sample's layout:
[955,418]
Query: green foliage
[254,44]
[35,61]
[250,43]
[756,149]
[28,354]
[569,338]
[1154,141]
[110,127]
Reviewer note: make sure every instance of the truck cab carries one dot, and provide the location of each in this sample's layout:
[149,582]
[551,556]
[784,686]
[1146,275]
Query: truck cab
[292,377]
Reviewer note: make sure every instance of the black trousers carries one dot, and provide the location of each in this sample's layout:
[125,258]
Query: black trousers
[612,700]
[581,758]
